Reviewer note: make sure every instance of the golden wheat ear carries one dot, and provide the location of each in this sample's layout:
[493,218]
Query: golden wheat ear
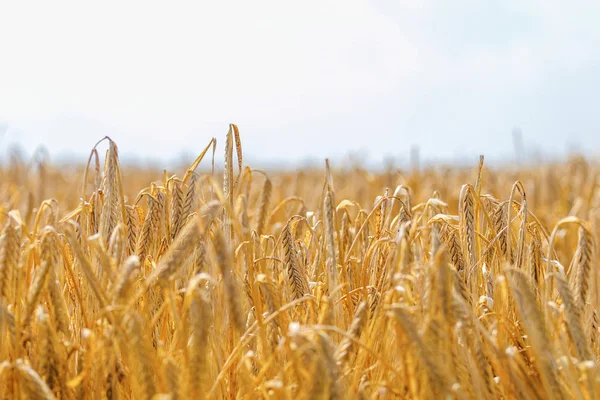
[198,357]
[33,386]
[263,209]
[296,276]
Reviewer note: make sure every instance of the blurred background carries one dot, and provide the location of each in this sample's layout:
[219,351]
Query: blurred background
[371,80]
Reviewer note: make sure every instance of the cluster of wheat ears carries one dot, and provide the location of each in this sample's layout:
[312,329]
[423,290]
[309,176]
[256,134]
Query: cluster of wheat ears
[328,284]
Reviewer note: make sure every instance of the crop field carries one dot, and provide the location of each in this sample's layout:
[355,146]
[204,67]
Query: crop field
[221,281]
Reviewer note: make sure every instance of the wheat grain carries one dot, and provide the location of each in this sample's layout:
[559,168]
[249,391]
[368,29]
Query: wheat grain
[375,296]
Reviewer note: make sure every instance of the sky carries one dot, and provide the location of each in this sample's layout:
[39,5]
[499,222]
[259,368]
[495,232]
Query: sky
[302,80]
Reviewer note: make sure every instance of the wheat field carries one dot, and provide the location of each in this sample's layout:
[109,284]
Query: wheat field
[227,282]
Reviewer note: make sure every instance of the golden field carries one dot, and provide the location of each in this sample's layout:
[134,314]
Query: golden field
[226,282]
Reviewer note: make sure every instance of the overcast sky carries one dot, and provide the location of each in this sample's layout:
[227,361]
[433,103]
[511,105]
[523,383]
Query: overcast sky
[303,78]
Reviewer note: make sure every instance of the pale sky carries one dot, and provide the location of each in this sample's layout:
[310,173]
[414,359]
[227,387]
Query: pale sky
[302,78]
